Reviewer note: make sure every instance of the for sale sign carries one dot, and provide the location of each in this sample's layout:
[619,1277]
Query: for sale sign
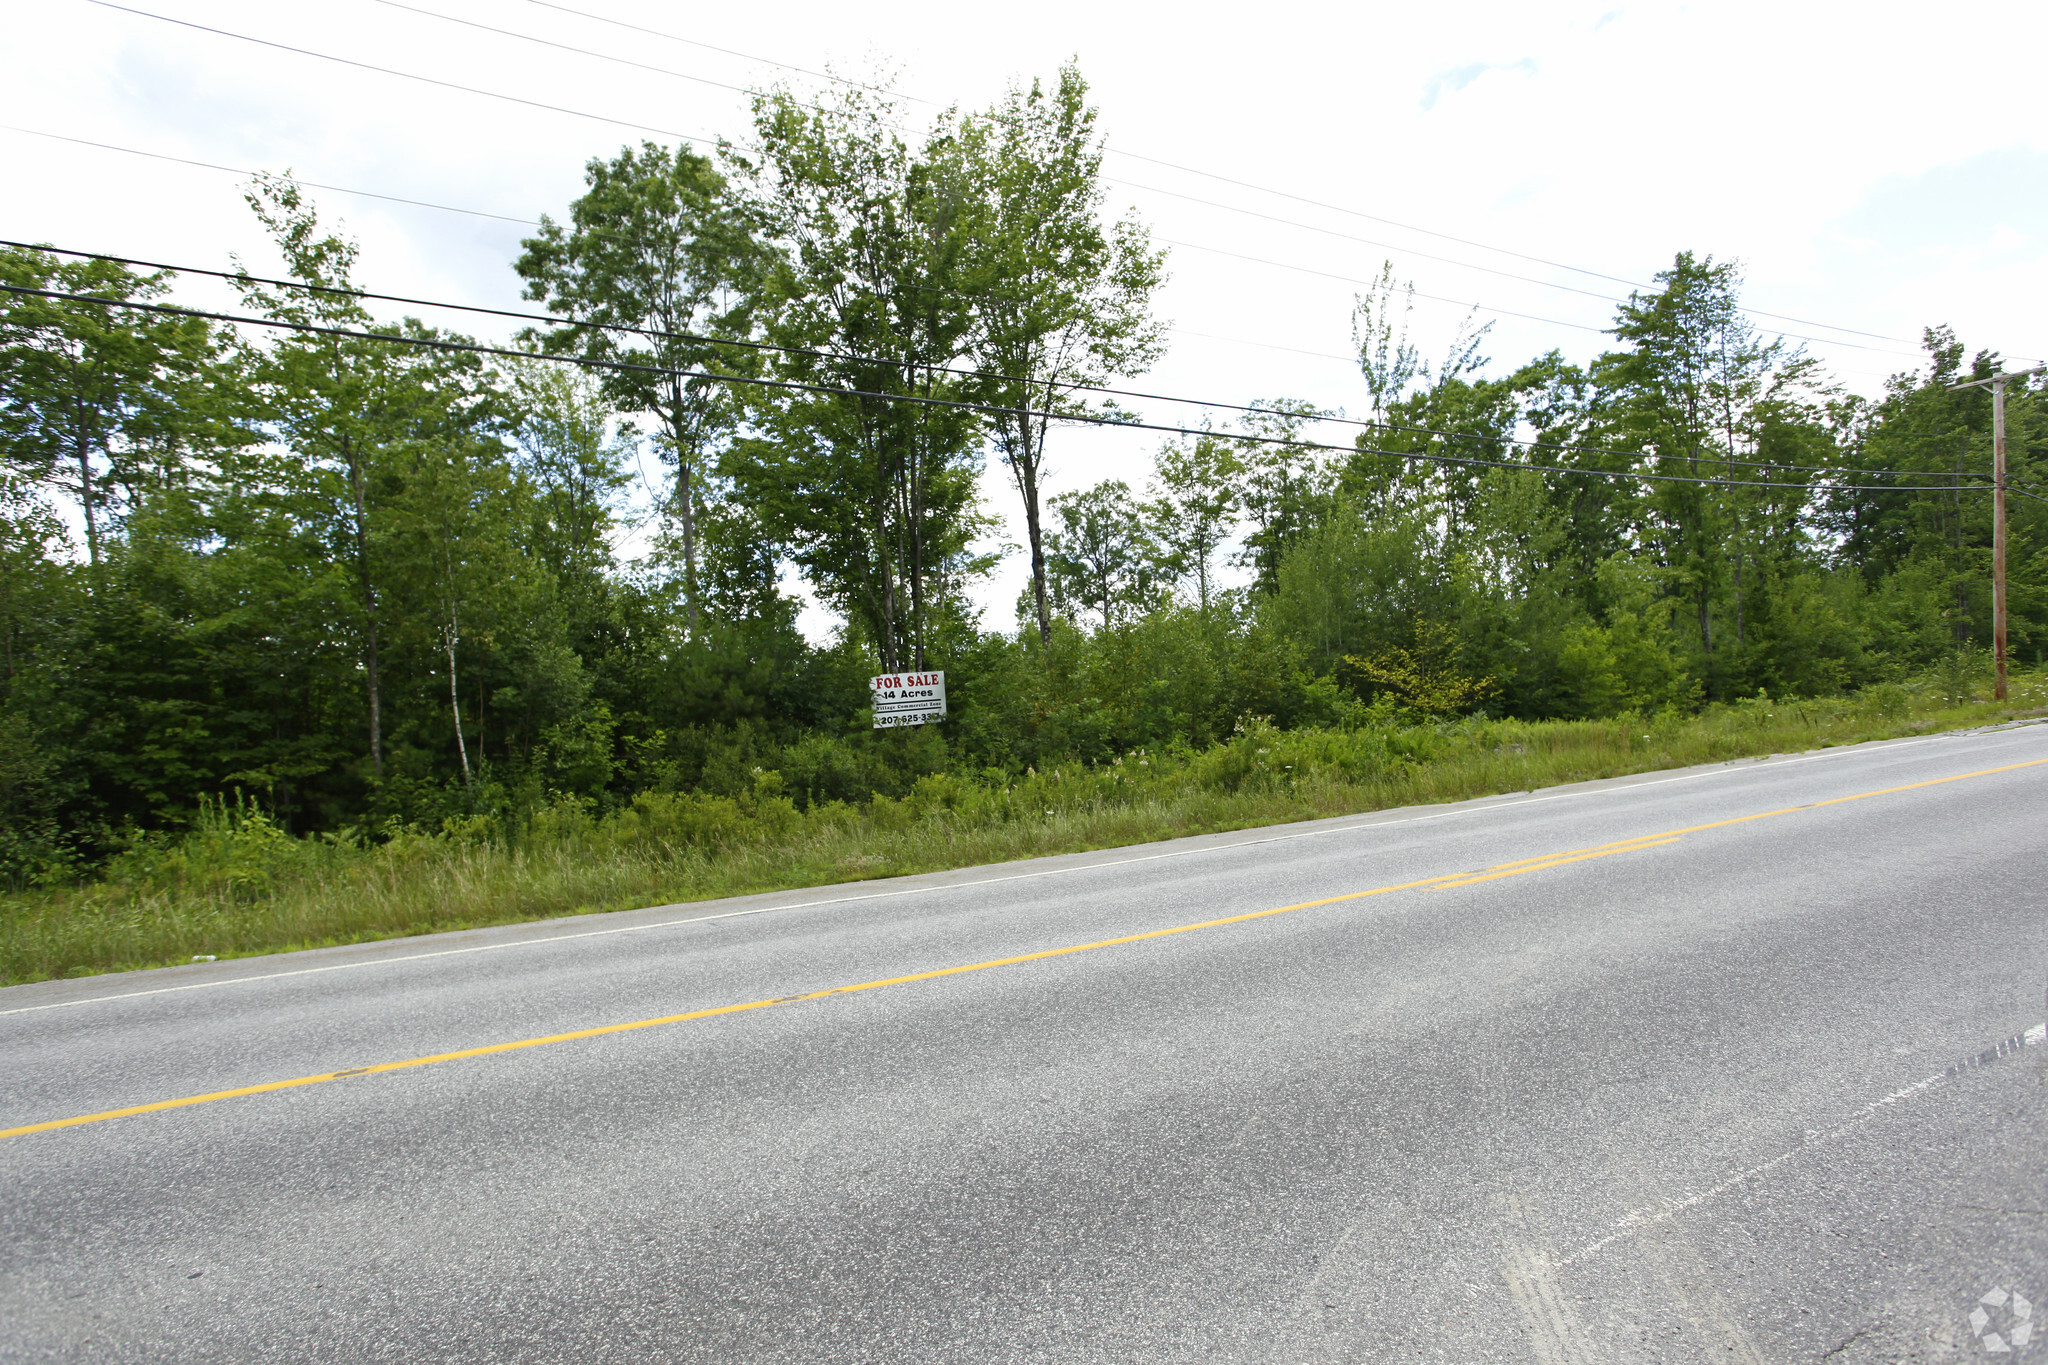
[909,699]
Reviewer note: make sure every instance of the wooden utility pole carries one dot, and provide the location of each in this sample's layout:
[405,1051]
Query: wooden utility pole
[1997,383]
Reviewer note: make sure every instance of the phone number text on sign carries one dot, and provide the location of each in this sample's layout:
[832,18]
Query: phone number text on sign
[908,699]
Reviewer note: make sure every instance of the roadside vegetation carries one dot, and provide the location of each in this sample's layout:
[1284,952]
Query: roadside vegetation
[236,884]
[319,623]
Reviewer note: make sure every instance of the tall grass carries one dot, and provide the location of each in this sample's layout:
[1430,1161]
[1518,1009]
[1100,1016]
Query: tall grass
[238,885]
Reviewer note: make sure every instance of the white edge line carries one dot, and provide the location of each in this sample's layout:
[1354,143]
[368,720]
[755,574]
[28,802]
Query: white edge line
[1717,771]
[1639,1219]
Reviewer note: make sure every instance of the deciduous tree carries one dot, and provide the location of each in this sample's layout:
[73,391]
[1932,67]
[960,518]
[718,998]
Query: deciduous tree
[656,265]
[1062,297]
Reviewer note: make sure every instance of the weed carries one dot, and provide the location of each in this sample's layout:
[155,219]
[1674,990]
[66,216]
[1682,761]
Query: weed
[238,885]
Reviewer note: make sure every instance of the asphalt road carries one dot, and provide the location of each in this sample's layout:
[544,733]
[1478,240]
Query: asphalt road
[1692,1096]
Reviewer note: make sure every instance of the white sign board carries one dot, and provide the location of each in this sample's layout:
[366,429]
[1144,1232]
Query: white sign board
[909,699]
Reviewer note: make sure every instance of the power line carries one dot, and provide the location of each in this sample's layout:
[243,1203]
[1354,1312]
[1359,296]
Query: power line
[1151,189]
[1459,303]
[237,170]
[1266,345]
[687,137]
[504,218]
[797,386]
[1485,308]
[371,194]
[1528,317]
[480,213]
[730,52]
[1362,241]
[655,333]
[1352,279]
[1483,246]
[562,47]
[1467,265]
[408,75]
[1209,175]
[582,51]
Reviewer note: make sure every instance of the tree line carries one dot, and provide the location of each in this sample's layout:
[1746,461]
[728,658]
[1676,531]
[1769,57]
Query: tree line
[371,577]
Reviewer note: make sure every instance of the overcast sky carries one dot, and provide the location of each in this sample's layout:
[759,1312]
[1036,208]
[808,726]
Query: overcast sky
[1875,169]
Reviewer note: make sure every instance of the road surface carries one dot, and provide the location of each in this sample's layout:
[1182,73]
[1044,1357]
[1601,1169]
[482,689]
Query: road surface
[1735,1063]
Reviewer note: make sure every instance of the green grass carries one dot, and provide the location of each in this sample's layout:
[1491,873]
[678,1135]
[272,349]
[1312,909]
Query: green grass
[238,886]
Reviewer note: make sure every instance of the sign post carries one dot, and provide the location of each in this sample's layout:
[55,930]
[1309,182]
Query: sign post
[909,699]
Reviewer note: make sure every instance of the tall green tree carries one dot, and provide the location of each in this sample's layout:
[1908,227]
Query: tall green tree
[1286,483]
[574,464]
[1062,298]
[356,412]
[1101,553]
[1194,504]
[1694,391]
[1919,433]
[95,398]
[656,265]
[1423,417]
[860,465]
[39,771]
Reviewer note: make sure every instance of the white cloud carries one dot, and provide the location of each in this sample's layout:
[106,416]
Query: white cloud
[1458,78]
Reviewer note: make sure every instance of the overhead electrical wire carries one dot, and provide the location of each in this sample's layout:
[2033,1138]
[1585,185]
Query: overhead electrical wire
[655,333]
[110,4]
[1468,265]
[1481,307]
[730,52]
[563,47]
[407,75]
[533,222]
[1265,345]
[1362,241]
[509,218]
[530,222]
[237,170]
[581,51]
[797,386]
[1197,171]
[1152,189]
[1353,279]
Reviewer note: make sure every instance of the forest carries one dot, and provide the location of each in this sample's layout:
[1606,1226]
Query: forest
[373,579]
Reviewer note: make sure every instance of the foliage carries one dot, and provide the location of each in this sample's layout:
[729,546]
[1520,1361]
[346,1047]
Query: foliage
[1063,299]
[652,272]
[237,884]
[1102,555]
[96,400]
[285,610]
[1425,678]
[864,462]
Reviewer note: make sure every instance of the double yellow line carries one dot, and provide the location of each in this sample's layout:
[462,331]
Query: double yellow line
[1577,855]
[1442,883]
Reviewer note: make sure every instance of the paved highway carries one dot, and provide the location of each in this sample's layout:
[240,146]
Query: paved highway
[1730,1064]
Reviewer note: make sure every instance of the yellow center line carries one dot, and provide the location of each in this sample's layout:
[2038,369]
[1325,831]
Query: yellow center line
[713,1012]
[1558,861]
[1441,882]
[1845,800]
[1574,854]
